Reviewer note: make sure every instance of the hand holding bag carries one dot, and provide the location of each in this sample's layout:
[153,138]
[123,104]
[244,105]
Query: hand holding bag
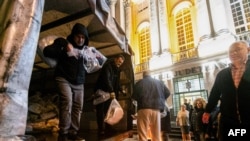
[100,96]
[115,113]
[165,111]
[93,59]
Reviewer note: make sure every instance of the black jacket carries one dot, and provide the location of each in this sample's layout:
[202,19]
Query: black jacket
[150,93]
[70,68]
[224,90]
[196,120]
[109,78]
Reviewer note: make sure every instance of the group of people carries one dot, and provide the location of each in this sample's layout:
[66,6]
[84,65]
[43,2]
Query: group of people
[231,88]
[191,124]
[151,94]
[227,108]
[70,78]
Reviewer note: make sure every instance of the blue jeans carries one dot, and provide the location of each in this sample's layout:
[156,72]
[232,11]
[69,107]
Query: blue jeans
[70,105]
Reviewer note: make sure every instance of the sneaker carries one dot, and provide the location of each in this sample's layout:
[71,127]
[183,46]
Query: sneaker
[62,137]
[75,138]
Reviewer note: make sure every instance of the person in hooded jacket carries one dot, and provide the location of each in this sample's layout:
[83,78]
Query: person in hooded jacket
[70,78]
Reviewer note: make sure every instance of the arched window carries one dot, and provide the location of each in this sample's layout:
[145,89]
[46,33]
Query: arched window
[144,43]
[184,30]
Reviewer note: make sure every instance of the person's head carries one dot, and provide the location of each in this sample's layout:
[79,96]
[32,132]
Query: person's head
[146,73]
[238,52]
[183,107]
[119,59]
[199,103]
[185,100]
[79,35]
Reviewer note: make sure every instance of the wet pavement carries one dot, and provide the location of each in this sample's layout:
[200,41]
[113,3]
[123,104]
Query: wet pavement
[92,135]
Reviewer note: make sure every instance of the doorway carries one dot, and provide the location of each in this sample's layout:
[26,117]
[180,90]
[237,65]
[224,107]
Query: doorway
[178,99]
[187,87]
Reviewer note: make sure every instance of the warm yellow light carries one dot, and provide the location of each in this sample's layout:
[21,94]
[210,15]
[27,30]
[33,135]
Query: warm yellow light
[136,1]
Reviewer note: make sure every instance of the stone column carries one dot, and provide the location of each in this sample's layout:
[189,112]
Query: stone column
[120,13]
[164,36]
[128,22]
[219,17]
[19,32]
[154,27]
[203,22]
[111,4]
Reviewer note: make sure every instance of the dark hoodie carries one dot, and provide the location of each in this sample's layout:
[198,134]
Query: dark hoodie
[67,67]
[78,29]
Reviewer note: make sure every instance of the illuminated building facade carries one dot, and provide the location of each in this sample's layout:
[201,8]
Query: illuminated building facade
[182,42]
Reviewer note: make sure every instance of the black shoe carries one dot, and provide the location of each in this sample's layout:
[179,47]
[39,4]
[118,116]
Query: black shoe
[62,137]
[74,137]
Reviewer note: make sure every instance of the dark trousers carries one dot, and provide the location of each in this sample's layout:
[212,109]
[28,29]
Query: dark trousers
[101,110]
[165,127]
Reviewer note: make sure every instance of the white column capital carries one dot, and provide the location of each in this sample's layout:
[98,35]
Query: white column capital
[111,2]
[126,3]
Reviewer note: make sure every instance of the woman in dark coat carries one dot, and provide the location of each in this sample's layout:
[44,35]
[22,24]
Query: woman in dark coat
[198,128]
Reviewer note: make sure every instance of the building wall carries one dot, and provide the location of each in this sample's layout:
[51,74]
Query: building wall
[213,30]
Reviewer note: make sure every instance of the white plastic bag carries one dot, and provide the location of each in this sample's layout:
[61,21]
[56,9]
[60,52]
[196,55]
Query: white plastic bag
[115,113]
[42,43]
[93,59]
[100,96]
[165,111]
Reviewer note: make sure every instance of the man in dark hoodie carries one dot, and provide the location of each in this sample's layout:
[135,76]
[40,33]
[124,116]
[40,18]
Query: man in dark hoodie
[70,78]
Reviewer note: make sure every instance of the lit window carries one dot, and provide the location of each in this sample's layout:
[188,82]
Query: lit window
[144,44]
[241,15]
[184,32]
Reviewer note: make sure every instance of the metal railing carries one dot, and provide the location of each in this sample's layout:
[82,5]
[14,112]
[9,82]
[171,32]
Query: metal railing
[184,55]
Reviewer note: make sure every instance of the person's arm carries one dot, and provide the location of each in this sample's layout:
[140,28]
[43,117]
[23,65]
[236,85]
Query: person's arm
[212,99]
[107,79]
[166,91]
[177,120]
[71,51]
[53,50]
[215,93]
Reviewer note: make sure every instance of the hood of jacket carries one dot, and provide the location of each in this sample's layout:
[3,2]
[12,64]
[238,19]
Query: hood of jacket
[78,29]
